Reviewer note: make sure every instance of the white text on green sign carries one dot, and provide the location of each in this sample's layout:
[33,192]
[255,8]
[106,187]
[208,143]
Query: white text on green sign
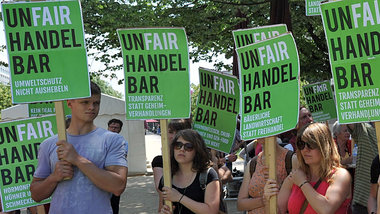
[156,73]
[43,41]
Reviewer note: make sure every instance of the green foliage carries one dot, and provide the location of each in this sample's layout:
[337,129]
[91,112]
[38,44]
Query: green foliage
[208,24]
[105,87]
[302,96]
[311,44]
[194,98]
[6,97]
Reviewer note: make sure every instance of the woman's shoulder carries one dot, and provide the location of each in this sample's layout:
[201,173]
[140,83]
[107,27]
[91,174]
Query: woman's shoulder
[157,161]
[342,175]
[211,175]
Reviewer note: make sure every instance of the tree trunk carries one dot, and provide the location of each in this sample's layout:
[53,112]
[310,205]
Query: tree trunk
[280,13]
[241,25]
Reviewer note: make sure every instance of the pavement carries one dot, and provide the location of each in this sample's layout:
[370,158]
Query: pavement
[140,196]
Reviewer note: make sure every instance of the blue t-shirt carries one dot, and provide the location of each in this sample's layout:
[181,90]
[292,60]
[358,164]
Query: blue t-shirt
[79,195]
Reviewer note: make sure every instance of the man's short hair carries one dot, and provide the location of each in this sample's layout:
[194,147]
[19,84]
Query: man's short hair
[115,121]
[95,89]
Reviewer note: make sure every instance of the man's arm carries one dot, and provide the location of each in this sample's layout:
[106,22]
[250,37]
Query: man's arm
[111,179]
[372,200]
[42,188]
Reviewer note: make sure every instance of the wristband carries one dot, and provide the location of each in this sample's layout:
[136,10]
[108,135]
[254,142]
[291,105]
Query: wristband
[303,184]
[179,201]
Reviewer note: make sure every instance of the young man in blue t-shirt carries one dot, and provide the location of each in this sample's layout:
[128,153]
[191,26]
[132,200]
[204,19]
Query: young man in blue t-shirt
[92,158]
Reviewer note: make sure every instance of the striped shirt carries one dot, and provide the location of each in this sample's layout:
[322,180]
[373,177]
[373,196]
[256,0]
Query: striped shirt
[364,136]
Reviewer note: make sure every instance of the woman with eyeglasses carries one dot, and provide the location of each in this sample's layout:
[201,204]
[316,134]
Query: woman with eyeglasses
[189,158]
[320,185]
[174,126]
[342,139]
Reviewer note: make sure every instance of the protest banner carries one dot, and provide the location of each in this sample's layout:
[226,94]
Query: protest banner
[45,108]
[352,34]
[269,95]
[243,37]
[157,83]
[19,142]
[320,100]
[156,69]
[43,40]
[217,109]
[312,7]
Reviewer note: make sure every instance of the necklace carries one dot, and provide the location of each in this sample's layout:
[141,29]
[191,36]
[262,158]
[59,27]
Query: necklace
[180,206]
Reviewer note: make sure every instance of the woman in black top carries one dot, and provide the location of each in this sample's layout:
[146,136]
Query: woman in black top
[174,126]
[189,158]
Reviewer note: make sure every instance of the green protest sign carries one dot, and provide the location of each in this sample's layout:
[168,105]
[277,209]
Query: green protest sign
[45,108]
[312,7]
[46,49]
[156,69]
[320,101]
[20,141]
[249,36]
[217,109]
[269,95]
[353,37]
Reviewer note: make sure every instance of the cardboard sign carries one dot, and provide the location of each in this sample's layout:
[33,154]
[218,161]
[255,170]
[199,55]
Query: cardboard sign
[312,7]
[320,100]
[45,108]
[20,141]
[46,49]
[269,76]
[249,36]
[352,34]
[217,109]
[156,69]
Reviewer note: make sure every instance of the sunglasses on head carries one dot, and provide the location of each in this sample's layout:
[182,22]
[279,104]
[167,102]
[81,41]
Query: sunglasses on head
[301,145]
[187,146]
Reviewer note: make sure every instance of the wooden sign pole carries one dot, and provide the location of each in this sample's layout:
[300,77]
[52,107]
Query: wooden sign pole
[270,161]
[61,122]
[166,158]
[60,118]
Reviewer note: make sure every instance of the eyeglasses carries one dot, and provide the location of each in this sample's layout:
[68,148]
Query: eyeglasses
[301,145]
[187,146]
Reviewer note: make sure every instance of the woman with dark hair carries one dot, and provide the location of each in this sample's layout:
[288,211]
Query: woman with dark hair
[320,185]
[189,158]
[174,126]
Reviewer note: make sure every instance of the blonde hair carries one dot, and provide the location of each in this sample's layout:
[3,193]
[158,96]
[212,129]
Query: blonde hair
[320,135]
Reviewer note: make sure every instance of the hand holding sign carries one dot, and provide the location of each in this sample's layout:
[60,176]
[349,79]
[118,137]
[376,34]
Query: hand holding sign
[67,152]
[63,171]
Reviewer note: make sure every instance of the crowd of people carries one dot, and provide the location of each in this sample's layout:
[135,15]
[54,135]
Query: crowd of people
[316,170]
[318,177]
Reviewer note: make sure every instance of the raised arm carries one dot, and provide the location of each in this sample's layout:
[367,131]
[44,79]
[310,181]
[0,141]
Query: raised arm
[112,179]
[372,199]
[338,191]
[244,202]
[283,196]
[42,188]
[211,199]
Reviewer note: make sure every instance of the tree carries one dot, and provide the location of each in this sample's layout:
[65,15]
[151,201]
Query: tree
[194,98]
[209,31]
[105,87]
[6,97]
